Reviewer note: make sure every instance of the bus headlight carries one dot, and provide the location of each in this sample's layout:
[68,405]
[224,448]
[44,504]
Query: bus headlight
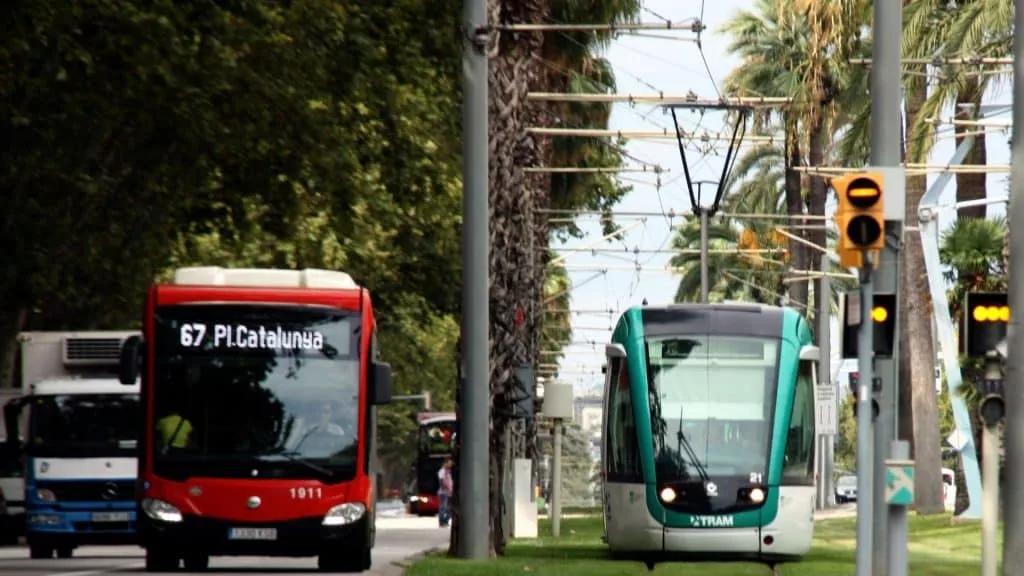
[45,495]
[757,495]
[668,494]
[346,513]
[160,510]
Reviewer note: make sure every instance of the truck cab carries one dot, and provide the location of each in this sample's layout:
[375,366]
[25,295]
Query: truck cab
[81,442]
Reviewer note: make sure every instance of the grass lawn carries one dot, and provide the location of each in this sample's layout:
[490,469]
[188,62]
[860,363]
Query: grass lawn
[938,548]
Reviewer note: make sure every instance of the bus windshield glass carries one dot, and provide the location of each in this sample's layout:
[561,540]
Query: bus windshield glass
[84,425]
[437,439]
[712,402]
[256,391]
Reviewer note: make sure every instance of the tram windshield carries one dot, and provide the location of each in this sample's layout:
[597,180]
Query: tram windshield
[712,402]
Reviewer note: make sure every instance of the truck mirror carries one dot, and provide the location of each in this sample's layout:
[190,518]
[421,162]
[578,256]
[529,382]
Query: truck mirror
[12,413]
[380,383]
[131,360]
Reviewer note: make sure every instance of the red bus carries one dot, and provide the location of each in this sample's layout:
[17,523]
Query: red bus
[259,389]
[435,444]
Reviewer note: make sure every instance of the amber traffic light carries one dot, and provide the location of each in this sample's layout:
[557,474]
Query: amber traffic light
[883,321]
[986,318]
[860,217]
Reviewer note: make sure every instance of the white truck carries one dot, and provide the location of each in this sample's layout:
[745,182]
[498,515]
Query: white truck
[81,428]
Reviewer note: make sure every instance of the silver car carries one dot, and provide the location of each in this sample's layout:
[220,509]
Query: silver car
[846,489]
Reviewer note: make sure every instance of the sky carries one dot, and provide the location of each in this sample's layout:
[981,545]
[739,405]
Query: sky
[608,281]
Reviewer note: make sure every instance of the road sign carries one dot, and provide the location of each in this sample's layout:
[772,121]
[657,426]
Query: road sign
[957,440]
[826,411]
[899,482]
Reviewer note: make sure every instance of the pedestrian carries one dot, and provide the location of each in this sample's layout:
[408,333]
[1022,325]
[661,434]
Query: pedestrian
[444,493]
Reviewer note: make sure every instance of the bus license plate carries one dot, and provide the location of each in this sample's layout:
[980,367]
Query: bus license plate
[253,534]
[111,517]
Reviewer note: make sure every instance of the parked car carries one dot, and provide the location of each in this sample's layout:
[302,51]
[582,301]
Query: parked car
[846,489]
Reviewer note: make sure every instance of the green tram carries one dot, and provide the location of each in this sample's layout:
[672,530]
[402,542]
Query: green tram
[708,433]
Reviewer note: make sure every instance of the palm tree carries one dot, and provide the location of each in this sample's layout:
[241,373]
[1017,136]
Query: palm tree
[971,28]
[519,228]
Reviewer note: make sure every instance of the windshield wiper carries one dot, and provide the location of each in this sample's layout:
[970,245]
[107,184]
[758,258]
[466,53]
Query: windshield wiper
[684,444]
[296,457]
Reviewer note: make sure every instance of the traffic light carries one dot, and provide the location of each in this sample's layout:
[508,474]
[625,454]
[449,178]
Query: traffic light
[883,320]
[986,317]
[860,217]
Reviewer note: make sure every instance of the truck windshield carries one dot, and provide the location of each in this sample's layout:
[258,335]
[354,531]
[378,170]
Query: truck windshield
[84,425]
[712,401]
[256,391]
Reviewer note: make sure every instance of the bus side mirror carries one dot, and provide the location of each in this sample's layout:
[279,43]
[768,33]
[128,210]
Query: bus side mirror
[380,383]
[131,360]
[12,414]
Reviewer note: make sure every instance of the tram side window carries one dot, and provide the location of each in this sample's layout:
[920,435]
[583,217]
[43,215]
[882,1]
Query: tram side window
[623,448]
[799,464]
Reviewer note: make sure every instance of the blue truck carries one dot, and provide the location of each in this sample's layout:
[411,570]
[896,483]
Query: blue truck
[80,426]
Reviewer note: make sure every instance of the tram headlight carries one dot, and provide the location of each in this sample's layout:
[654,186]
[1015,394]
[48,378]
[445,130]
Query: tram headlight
[668,494]
[757,495]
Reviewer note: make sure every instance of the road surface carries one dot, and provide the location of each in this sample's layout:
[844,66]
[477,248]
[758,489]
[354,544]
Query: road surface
[397,538]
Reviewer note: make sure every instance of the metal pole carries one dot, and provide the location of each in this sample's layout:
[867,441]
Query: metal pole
[865,440]
[825,374]
[703,255]
[556,480]
[474,462]
[886,122]
[898,531]
[1013,393]
[989,498]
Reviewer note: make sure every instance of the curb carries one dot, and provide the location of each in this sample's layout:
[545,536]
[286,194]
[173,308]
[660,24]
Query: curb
[410,560]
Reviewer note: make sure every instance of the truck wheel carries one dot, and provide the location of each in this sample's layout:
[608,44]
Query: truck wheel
[158,560]
[346,561]
[65,552]
[37,552]
[197,562]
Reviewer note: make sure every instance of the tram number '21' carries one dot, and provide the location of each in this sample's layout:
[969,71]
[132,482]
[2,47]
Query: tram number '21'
[304,493]
[755,477]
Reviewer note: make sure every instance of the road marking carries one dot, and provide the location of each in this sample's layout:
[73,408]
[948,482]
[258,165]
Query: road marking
[97,572]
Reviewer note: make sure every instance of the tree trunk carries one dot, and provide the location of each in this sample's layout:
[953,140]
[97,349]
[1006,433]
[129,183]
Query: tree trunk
[917,311]
[11,323]
[971,186]
[795,207]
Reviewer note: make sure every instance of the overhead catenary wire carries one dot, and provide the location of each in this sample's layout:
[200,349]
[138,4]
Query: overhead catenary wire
[659,99]
[684,26]
[648,134]
[651,169]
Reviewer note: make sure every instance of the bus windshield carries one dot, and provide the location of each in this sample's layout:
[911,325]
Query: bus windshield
[712,400]
[84,425]
[256,391]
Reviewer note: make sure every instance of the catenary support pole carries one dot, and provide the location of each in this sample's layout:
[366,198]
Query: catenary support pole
[886,111]
[556,480]
[704,255]
[474,463]
[865,438]
[1013,433]
[824,301]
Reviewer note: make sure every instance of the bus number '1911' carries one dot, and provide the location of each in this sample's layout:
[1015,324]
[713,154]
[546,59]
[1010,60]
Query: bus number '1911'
[711,521]
[304,493]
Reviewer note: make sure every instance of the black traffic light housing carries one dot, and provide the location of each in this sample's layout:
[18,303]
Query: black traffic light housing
[986,316]
[883,317]
[992,408]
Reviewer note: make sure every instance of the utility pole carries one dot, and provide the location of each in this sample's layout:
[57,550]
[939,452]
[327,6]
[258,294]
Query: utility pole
[991,409]
[865,458]
[886,112]
[826,388]
[1013,433]
[474,462]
